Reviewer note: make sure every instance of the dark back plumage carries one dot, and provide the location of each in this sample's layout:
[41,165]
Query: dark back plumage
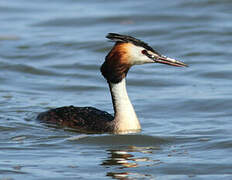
[83,119]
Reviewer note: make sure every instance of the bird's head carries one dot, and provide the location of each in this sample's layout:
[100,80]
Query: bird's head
[129,51]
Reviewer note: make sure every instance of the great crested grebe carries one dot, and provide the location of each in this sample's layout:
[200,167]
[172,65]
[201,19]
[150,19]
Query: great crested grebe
[127,51]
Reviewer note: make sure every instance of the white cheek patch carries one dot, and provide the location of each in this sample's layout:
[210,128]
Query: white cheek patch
[137,57]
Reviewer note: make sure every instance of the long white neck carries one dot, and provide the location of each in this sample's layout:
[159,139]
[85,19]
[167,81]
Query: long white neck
[125,118]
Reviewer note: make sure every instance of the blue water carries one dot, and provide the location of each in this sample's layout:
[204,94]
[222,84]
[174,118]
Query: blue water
[50,55]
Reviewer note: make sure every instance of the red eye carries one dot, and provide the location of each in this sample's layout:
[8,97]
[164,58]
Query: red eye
[144,52]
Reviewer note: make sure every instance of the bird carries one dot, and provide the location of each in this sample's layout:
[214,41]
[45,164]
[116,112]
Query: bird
[126,52]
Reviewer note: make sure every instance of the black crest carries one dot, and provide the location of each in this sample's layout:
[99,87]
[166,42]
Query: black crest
[125,38]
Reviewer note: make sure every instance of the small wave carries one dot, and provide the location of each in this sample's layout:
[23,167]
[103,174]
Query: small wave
[124,140]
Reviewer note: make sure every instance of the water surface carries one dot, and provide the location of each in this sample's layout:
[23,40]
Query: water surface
[50,56]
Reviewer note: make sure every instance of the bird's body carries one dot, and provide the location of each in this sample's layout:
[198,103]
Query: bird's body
[86,119]
[126,52]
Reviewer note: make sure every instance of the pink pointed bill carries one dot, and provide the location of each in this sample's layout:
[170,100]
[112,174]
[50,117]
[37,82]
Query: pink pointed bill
[170,61]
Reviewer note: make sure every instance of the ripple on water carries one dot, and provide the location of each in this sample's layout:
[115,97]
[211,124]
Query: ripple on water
[122,140]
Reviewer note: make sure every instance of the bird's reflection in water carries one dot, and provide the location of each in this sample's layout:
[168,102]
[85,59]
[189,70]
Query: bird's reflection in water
[130,157]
